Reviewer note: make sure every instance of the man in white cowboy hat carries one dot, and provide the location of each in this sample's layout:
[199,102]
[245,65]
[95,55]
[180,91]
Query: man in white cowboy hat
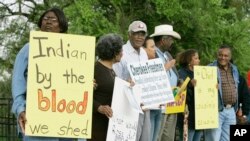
[164,36]
[133,52]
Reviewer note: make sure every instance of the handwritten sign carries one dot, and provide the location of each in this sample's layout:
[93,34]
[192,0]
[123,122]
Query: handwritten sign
[123,125]
[206,97]
[180,94]
[151,77]
[60,85]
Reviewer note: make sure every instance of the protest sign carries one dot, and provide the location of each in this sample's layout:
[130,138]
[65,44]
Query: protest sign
[206,97]
[123,124]
[152,78]
[60,85]
[180,95]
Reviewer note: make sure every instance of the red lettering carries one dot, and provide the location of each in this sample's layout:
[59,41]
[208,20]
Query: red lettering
[42,100]
[71,104]
[82,105]
[44,103]
[53,101]
[61,105]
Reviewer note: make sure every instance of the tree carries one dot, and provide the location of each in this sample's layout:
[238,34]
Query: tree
[206,25]
[203,25]
[17,19]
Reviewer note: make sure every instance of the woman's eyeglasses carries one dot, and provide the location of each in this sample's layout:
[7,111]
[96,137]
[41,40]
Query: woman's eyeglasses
[52,19]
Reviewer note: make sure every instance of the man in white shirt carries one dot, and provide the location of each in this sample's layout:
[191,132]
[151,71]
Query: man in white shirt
[133,52]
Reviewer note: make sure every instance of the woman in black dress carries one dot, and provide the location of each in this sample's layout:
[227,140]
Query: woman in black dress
[109,51]
[187,60]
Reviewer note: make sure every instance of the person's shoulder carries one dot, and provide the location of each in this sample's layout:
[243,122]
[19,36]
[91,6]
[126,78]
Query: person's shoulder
[214,63]
[24,49]
[181,69]
[235,69]
[233,65]
[143,50]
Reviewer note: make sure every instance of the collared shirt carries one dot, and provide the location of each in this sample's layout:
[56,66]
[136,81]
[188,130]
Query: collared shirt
[235,74]
[130,55]
[173,78]
[228,86]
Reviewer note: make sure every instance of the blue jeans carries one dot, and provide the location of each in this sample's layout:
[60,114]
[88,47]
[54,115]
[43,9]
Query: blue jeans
[143,129]
[227,117]
[194,135]
[155,120]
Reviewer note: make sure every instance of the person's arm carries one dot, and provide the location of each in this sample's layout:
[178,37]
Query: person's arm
[106,110]
[168,65]
[245,98]
[96,105]
[19,85]
[98,95]
[103,109]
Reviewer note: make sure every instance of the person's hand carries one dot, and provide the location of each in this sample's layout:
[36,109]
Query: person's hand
[22,121]
[106,110]
[169,64]
[241,120]
[193,82]
[132,83]
[162,106]
[143,109]
[95,84]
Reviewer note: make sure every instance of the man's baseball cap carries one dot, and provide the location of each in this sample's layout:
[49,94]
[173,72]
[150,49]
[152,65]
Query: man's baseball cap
[136,26]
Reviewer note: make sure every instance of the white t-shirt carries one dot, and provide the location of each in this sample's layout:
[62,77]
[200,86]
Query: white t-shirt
[130,55]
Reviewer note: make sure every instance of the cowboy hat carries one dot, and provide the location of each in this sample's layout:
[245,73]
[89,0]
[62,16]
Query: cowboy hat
[165,29]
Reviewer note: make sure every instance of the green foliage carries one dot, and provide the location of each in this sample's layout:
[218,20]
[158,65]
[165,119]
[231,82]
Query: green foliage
[90,18]
[203,25]
[5,87]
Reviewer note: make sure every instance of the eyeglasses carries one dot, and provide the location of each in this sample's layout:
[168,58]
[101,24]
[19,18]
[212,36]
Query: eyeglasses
[52,19]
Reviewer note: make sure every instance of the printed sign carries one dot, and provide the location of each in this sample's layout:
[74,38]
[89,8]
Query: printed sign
[151,77]
[60,85]
[180,94]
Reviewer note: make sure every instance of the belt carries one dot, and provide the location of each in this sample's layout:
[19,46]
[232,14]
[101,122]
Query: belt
[227,106]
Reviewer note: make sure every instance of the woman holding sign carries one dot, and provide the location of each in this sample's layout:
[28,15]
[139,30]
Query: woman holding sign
[52,20]
[109,51]
[187,60]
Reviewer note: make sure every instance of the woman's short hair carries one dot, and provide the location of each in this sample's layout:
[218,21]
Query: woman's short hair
[108,46]
[63,23]
[185,57]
